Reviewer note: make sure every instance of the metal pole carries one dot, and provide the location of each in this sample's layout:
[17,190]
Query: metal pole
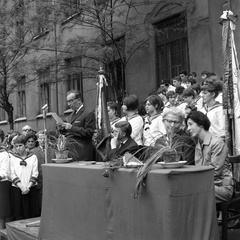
[56,63]
[45,130]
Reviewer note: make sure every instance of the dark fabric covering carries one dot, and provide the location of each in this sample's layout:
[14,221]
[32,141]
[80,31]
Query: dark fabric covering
[79,203]
[5,199]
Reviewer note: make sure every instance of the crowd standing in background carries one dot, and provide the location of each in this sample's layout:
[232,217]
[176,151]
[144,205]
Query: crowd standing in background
[190,106]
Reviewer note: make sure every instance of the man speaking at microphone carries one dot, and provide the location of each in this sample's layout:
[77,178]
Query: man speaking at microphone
[79,129]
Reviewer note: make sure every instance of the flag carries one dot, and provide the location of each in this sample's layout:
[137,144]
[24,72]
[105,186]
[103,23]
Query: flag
[231,90]
[102,119]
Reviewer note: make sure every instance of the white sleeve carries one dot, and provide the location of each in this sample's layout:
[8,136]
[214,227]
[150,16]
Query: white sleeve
[4,170]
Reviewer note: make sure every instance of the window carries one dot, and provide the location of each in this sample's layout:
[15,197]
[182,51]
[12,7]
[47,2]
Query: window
[45,88]
[172,47]
[20,21]
[21,95]
[74,74]
[3,115]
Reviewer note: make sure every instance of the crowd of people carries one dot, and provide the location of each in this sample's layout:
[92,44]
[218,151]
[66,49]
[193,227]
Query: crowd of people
[181,106]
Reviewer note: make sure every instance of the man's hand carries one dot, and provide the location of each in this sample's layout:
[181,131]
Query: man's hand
[64,126]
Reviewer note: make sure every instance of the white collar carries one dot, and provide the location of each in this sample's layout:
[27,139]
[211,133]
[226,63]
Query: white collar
[79,108]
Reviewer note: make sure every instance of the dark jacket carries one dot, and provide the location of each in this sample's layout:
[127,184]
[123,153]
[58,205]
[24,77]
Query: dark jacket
[80,135]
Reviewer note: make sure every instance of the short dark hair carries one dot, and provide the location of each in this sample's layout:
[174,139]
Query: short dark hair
[188,92]
[76,92]
[171,94]
[200,119]
[177,78]
[21,139]
[183,72]
[191,80]
[155,100]
[179,89]
[2,135]
[213,87]
[196,87]
[131,102]
[113,105]
[207,73]
[125,127]
[31,135]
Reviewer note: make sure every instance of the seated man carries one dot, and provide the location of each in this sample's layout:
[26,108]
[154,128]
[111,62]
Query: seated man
[212,151]
[122,141]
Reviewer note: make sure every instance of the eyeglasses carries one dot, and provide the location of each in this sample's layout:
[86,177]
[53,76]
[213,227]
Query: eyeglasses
[171,121]
[27,130]
[71,100]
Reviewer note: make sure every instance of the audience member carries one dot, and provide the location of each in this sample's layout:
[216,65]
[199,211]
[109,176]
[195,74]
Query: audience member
[184,77]
[5,210]
[31,141]
[122,141]
[129,107]
[26,129]
[172,99]
[40,153]
[112,112]
[161,92]
[213,109]
[24,173]
[173,120]
[153,126]
[211,151]
[198,99]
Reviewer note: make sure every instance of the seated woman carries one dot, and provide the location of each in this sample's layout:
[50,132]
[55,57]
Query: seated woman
[211,151]
[173,120]
[129,108]
[153,126]
[24,173]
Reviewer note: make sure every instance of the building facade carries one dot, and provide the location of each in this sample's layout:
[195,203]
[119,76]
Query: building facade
[162,38]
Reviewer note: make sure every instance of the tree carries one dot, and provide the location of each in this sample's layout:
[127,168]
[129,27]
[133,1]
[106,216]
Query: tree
[16,41]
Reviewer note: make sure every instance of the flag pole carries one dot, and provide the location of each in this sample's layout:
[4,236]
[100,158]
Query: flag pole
[44,109]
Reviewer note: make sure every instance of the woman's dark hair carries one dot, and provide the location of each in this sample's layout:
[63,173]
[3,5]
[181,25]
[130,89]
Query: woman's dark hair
[200,119]
[33,136]
[171,94]
[191,80]
[155,100]
[188,92]
[196,87]
[179,90]
[131,102]
[212,87]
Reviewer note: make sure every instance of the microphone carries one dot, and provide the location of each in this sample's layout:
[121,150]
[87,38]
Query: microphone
[45,107]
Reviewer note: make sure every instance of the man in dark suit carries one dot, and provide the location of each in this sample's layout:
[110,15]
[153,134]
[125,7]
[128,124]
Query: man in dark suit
[40,153]
[122,141]
[79,129]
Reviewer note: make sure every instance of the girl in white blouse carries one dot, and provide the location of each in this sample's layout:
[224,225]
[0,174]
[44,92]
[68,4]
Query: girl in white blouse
[153,126]
[24,173]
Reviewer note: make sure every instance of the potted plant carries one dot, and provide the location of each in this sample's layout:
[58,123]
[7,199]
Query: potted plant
[63,146]
[167,148]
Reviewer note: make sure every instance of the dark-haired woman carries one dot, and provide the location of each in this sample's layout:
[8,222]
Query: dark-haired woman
[153,126]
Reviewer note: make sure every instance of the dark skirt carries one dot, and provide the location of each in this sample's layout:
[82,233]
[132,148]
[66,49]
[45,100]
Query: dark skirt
[5,209]
[24,206]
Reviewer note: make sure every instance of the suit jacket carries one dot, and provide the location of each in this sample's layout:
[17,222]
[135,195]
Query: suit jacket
[129,146]
[80,135]
[41,160]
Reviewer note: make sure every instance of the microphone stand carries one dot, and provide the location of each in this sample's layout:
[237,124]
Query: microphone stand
[45,131]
